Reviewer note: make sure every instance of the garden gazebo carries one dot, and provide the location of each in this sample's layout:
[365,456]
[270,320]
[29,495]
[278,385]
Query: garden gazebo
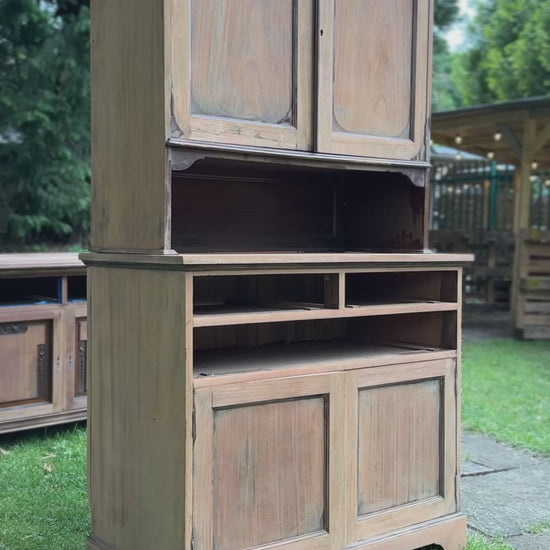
[518,133]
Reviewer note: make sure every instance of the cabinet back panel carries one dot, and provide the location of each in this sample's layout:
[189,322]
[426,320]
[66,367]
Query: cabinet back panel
[241,59]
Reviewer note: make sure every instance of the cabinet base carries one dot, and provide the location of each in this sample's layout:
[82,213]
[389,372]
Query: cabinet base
[448,532]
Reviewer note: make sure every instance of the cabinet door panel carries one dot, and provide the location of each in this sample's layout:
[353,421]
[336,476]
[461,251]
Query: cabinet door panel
[25,362]
[373,77]
[405,446]
[250,71]
[262,472]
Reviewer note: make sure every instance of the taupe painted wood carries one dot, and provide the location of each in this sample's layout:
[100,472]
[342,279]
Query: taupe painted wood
[373,77]
[242,72]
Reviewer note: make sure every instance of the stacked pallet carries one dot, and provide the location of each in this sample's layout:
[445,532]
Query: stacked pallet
[533,306]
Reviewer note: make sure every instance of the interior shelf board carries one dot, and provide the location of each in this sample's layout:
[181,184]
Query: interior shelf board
[222,316]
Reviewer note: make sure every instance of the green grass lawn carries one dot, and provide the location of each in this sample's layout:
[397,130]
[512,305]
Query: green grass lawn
[506,392]
[43,501]
[43,493]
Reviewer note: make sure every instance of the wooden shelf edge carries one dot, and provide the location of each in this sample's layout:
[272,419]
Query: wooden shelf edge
[266,260]
[275,316]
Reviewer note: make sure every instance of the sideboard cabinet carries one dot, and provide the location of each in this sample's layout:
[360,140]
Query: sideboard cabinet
[43,340]
[274,353]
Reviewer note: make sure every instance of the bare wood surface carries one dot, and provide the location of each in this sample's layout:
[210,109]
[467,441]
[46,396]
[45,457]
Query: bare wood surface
[225,90]
[40,263]
[130,124]
[139,413]
[253,261]
[258,315]
[399,122]
[216,367]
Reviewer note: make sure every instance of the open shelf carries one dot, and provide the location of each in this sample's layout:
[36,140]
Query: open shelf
[301,358]
[30,291]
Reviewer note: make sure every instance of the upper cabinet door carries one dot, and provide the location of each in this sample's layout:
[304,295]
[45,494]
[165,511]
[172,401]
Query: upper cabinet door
[373,77]
[242,72]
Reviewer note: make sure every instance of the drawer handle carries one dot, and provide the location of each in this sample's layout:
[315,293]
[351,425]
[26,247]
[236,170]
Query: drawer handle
[7,329]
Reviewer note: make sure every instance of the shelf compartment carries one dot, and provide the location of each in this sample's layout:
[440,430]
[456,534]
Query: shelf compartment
[334,344]
[403,286]
[225,366]
[230,206]
[30,291]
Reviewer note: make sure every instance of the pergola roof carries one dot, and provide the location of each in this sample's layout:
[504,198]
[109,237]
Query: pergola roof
[477,126]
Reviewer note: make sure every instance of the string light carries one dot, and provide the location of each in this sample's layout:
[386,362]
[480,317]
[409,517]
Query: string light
[458,139]
[497,136]
[534,165]
[490,155]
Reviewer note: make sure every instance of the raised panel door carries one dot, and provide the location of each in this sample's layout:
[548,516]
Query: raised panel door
[373,82]
[404,423]
[264,467]
[242,72]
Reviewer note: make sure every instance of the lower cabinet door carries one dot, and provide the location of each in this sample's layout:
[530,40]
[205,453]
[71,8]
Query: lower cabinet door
[404,418]
[25,362]
[268,464]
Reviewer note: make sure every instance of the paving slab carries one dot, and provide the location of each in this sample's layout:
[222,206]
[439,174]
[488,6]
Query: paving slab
[505,492]
[487,452]
[531,542]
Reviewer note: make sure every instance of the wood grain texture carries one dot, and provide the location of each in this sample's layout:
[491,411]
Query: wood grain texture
[129,126]
[25,358]
[399,432]
[381,116]
[140,408]
[414,438]
[242,72]
[372,67]
[241,59]
[263,473]
[269,472]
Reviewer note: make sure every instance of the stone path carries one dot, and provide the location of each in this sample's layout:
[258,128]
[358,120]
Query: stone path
[506,493]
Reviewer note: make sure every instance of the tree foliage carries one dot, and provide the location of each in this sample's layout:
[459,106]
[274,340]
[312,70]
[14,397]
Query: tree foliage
[509,52]
[44,121]
[444,95]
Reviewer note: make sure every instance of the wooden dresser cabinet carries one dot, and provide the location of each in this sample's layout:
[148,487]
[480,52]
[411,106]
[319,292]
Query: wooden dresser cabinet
[275,356]
[43,339]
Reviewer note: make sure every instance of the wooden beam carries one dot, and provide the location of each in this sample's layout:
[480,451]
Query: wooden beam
[541,139]
[511,139]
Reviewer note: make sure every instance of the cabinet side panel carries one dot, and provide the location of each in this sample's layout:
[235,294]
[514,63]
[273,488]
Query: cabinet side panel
[128,125]
[140,408]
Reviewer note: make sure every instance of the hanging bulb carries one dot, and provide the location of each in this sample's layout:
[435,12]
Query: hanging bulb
[497,136]
[458,139]
[490,155]
[534,165]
